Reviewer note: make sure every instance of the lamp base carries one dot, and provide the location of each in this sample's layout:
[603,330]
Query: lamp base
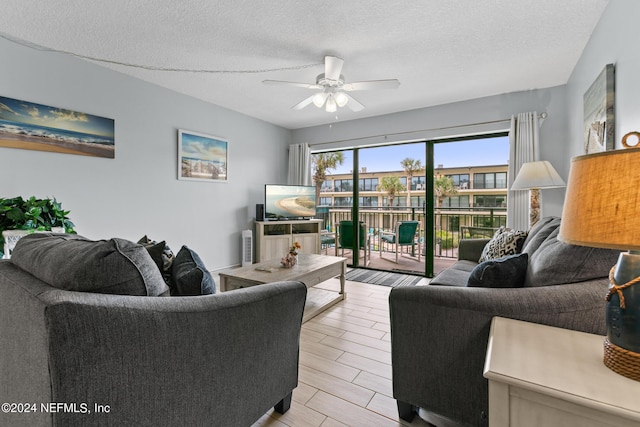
[622,361]
[622,344]
[534,206]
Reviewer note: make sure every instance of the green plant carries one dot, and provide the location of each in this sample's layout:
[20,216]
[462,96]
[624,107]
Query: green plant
[446,239]
[32,214]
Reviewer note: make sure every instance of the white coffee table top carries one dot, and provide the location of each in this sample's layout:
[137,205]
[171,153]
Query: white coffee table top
[272,270]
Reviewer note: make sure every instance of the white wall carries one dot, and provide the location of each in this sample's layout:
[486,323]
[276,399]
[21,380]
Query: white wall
[449,120]
[615,40]
[138,192]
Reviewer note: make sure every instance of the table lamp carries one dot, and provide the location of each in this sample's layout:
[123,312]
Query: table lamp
[601,210]
[533,176]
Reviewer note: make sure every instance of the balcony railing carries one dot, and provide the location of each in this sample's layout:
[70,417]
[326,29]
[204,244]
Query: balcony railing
[450,224]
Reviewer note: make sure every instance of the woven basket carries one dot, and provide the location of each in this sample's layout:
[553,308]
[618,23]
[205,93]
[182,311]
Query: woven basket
[622,361]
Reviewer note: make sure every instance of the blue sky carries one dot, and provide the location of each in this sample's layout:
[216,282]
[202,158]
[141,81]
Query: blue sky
[15,110]
[476,152]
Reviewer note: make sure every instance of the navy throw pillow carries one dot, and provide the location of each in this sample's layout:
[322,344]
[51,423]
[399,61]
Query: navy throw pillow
[505,272]
[189,276]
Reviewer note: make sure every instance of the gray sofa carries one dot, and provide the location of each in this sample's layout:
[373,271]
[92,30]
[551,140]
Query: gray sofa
[439,332]
[72,358]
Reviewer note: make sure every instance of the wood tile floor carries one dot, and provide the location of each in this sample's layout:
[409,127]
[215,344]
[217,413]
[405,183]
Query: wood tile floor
[345,365]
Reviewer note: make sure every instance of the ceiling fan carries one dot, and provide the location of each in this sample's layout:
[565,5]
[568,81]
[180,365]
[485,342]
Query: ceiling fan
[333,88]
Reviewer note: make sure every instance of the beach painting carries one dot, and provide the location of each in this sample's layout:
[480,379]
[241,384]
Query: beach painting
[32,126]
[599,115]
[202,157]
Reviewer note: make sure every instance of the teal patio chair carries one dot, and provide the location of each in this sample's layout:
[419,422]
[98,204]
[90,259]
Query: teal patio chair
[346,238]
[405,234]
[327,240]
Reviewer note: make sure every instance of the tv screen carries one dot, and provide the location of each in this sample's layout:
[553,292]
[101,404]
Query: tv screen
[289,201]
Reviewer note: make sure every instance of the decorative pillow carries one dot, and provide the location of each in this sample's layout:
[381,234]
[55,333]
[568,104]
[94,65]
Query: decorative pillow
[161,255]
[556,262]
[74,263]
[189,276]
[539,233]
[505,272]
[504,242]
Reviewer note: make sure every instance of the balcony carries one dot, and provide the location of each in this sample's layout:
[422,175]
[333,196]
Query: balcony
[451,224]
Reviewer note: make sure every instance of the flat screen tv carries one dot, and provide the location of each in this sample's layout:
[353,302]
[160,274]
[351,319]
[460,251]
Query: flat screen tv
[284,202]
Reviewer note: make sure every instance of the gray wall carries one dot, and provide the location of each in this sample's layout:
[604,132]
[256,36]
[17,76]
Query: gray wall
[614,41]
[138,192]
[490,114]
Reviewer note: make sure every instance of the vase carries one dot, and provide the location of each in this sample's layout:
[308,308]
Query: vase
[289,260]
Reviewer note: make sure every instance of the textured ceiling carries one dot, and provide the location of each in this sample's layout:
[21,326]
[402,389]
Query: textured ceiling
[441,51]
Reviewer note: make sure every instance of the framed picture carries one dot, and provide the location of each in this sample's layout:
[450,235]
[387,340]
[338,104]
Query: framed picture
[599,117]
[30,126]
[202,157]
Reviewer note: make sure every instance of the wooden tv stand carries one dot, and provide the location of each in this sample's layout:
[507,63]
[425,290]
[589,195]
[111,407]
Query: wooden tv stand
[274,238]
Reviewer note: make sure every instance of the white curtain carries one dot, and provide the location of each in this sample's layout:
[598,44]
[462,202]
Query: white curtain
[299,164]
[523,148]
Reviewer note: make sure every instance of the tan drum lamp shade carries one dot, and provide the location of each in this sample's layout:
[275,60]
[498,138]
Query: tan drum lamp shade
[601,210]
[533,176]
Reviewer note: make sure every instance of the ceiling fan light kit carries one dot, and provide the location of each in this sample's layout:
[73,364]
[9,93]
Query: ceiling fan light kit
[333,87]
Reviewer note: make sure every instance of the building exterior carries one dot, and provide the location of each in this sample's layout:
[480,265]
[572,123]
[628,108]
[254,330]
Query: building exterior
[478,206]
[477,187]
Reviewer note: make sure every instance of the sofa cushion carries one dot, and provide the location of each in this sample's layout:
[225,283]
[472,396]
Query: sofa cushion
[74,263]
[456,275]
[450,277]
[539,233]
[505,241]
[505,272]
[189,276]
[556,262]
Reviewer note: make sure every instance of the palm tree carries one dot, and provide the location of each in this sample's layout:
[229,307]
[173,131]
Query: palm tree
[443,186]
[322,163]
[410,166]
[392,185]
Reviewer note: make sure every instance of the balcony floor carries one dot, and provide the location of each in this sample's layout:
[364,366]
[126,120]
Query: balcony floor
[406,263]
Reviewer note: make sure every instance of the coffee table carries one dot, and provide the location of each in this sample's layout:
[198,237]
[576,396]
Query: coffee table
[310,270]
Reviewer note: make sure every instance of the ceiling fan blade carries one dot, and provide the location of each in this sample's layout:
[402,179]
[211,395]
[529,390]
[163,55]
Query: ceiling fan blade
[354,104]
[296,84]
[332,68]
[372,84]
[300,105]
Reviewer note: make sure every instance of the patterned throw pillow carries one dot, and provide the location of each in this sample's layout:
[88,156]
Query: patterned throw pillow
[505,241]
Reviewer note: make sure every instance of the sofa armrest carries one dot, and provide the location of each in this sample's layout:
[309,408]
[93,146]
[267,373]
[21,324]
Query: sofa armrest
[227,358]
[471,249]
[439,338]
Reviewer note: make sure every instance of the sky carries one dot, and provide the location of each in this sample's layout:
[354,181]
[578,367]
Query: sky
[475,152]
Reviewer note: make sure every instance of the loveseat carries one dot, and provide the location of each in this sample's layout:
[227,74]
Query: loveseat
[100,358]
[439,332]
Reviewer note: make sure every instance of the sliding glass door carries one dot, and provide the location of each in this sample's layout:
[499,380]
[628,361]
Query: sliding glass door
[392,202]
[408,205]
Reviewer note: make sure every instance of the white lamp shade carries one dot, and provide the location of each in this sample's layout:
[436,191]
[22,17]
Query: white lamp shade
[341,99]
[536,175]
[319,98]
[331,106]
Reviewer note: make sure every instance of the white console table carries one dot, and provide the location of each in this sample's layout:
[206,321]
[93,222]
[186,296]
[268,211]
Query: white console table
[544,376]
